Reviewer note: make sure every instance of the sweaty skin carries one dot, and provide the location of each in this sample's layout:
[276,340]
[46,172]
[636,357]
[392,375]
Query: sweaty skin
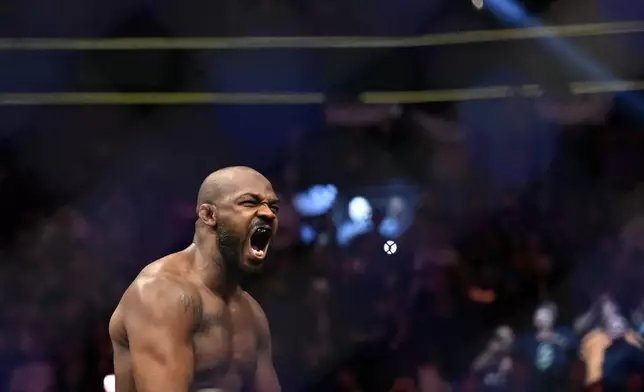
[184,325]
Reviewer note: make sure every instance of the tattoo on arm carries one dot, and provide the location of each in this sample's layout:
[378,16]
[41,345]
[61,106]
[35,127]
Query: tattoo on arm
[203,320]
[191,304]
[209,320]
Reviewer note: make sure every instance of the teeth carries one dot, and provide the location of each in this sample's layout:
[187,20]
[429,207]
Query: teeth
[258,253]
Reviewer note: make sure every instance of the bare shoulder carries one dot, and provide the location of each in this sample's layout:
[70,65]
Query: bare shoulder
[160,299]
[162,293]
[258,312]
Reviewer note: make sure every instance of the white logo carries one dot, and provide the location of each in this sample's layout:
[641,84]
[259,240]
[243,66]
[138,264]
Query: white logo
[390,247]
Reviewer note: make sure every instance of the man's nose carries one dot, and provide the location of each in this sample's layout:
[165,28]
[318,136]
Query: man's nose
[265,212]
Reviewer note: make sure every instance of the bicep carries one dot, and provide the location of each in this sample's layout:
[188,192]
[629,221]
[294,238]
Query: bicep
[159,331]
[162,360]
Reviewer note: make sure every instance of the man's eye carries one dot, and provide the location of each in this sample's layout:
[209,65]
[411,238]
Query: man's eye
[275,209]
[249,203]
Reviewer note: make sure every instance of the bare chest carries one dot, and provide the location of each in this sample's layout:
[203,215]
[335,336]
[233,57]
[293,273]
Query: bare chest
[226,346]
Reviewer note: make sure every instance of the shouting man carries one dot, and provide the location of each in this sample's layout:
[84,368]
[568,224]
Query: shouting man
[184,324]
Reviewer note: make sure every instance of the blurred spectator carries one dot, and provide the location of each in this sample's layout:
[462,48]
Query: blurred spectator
[8,359]
[494,365]
[343,318]
[34,372]
[549,351]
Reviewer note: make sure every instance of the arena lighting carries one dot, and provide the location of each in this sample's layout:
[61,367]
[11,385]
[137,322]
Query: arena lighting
[359,209]
[109,383]
[532,6]
[481,296]
[396,206]
[307,233]
[391,225]
[316,200]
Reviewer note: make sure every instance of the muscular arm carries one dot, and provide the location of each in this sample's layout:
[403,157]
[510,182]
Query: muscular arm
[265,376]
[160,315]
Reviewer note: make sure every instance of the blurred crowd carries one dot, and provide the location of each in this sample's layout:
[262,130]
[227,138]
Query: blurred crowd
[481,252]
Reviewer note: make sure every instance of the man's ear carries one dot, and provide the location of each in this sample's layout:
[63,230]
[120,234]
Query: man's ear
[208,214]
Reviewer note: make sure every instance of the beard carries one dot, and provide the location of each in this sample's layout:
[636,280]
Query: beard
[231,248]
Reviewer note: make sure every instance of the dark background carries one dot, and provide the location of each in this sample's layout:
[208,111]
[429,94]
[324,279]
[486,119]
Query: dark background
[532,198]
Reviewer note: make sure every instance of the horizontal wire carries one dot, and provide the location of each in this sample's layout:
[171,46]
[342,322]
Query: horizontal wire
[218,43]
[373,97]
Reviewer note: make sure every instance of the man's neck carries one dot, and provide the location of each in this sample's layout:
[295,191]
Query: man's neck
[213,271]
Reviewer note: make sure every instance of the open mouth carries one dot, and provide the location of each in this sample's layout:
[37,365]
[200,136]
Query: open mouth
[259,241]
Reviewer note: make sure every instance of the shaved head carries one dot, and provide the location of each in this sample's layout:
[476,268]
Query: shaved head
[224,181]
[232,204]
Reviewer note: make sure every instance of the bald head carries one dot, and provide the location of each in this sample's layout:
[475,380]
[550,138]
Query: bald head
[224,181]
[232,205]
